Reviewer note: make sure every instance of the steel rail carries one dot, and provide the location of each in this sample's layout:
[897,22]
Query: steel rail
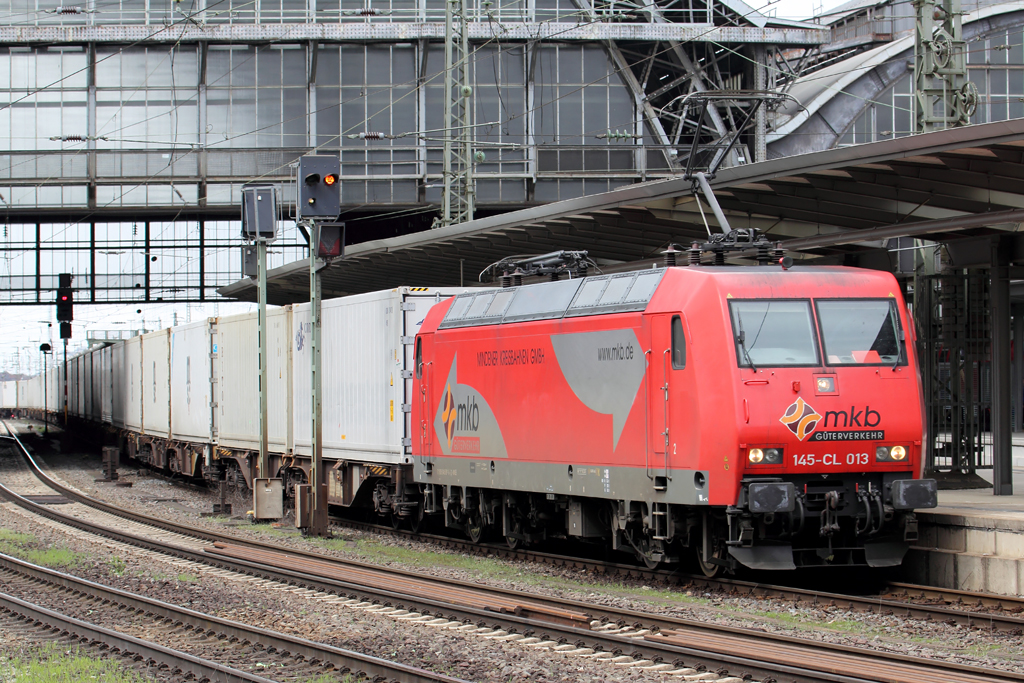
[869,604]
[120,643]
[813,668]
[953,595]
[342,659]
[1009,623]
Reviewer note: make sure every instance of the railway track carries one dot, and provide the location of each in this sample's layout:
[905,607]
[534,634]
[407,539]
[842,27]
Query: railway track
[619,636]
[900,599]
[38,623]
[208,639]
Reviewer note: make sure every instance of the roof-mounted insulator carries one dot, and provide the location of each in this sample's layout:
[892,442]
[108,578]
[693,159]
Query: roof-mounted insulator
[779,251]
[695,254]
[517,278]
[764,256]
[719,257]
[506,280]
[670,256]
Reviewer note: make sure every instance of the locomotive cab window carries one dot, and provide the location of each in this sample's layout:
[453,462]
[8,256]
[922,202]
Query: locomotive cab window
[861,332]
[419,357]
[678,344]
[773,333]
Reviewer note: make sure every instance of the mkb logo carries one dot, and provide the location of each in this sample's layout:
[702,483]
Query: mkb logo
[801,418]
[448,414]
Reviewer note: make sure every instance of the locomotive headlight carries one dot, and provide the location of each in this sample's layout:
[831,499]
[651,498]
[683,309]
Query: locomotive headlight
[882,454]
[897,452]
[755,455]
[826,385]
[773,456]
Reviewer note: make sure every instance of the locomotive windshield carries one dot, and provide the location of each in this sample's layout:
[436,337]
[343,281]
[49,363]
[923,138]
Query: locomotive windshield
[773,333]
[860,332]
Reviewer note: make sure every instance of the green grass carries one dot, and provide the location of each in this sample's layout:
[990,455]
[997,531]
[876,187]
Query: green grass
[27,547]
[117,566]
[54,664]
[188,578]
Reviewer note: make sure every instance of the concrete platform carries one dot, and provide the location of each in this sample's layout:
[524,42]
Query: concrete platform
[973,540]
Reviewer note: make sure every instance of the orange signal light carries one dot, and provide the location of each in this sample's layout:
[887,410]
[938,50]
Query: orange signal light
[330,179]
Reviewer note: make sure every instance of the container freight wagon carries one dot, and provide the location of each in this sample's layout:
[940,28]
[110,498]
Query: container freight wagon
[186,399]
[368,389]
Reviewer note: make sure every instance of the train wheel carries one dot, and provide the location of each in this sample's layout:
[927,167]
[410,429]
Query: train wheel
[396,521]
[647,560]
[416,519]
[475,527]
[711,569]
[514,542]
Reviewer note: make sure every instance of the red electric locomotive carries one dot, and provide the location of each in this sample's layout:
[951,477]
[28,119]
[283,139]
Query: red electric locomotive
[761,416]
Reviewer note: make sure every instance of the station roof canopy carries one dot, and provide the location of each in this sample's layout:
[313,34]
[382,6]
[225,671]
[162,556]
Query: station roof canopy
[836,206]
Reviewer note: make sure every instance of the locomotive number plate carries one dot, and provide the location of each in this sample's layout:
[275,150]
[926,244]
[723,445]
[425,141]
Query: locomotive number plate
[829,459]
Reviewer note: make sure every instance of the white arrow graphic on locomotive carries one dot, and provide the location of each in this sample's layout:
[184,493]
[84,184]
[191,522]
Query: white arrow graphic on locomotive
[465,423]
[604,370]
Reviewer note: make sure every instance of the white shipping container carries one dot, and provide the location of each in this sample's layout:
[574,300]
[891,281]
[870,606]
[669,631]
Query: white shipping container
[133,384]
[75,387]
[9,394]
[55,391]
[367,350]
[107,386]
[237,388]
[191,414]
[156,386]
[96,380]
[85,363]
[118,384]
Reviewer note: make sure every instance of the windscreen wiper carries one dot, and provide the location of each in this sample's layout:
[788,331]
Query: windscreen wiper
[900,338]
[741,339]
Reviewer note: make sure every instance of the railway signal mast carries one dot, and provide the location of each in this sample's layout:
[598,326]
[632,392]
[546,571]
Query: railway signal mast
[65,314]
[259,224]
[318,206]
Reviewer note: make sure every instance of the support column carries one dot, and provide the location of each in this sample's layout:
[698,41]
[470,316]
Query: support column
[263,465]
[318,525]
[999,311]
[1017,381]
[761,117]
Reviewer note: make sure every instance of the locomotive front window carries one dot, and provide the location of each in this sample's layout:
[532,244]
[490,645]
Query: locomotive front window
[861,332]
[773,333]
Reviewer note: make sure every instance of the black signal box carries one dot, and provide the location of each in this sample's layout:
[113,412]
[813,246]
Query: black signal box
[65,299]
[259,212]
[319,187]
[65,330]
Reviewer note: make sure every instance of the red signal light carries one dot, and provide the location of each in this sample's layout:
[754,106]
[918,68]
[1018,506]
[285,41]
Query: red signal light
[330,179]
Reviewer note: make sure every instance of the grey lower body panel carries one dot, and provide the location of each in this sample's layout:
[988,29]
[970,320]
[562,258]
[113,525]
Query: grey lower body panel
[681,487]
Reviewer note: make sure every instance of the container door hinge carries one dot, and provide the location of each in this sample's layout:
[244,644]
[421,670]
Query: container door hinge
[406,407]
[407,441]
[408,341]
[408,305]
[406,374]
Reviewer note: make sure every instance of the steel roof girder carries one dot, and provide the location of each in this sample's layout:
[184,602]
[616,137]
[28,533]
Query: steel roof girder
[938,188]
[814,211]
[901,199]
[878,205]
[407,31]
